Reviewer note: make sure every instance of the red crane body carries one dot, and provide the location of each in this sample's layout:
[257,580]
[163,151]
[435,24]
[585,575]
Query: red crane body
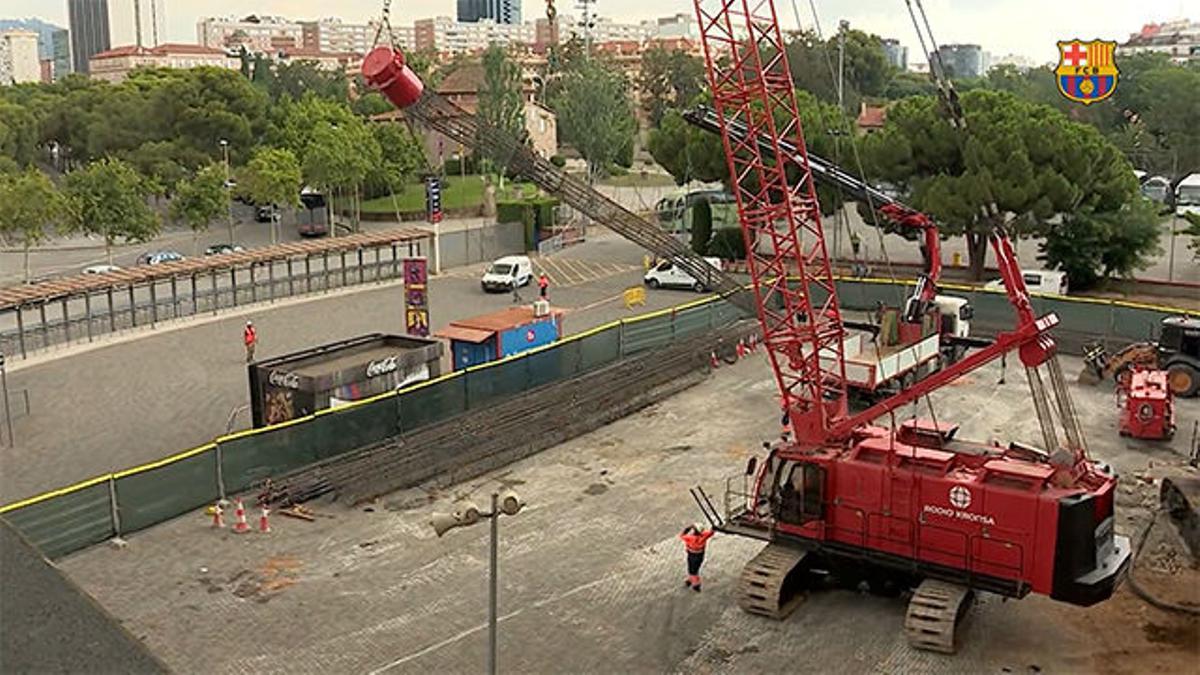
[912,498]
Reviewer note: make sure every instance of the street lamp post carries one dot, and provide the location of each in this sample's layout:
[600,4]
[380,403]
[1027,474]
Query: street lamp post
[467,514]
[225,156]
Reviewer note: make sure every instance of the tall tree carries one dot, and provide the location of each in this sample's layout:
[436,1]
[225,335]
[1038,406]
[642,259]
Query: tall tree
[29,205]
[668,79]
[501,103]
[1036,165]
[200,199]
[107,198]
[595,115]
[340,158]
[1093,245]
[272,177]
[814,64]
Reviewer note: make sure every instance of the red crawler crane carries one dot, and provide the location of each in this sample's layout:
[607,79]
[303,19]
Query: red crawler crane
[849,501]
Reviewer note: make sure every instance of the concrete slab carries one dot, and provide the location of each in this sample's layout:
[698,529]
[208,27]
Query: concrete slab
[591,570]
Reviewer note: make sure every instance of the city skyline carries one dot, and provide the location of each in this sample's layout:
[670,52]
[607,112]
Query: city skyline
[998,26]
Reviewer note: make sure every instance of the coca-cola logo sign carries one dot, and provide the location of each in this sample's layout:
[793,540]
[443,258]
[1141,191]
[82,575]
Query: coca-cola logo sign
[382,366]
[280,378]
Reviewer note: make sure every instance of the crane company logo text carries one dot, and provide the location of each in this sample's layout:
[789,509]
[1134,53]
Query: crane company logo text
[959,514]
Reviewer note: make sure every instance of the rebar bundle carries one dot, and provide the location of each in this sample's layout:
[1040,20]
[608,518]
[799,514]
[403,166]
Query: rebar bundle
[480,440]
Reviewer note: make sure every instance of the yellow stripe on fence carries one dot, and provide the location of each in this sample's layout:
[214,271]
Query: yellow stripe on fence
[55,493]
[150,466]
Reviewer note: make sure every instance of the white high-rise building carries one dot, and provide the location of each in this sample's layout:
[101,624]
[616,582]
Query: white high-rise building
[19,57]
[1178,39]
[334,36]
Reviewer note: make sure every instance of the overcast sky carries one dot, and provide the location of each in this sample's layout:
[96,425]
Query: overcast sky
[1026,27]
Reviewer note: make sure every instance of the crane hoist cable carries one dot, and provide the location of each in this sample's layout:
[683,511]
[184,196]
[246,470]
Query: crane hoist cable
[858,163]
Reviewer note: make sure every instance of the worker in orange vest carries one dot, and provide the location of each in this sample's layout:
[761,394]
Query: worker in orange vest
[250,337]
[543,285]
[695,538]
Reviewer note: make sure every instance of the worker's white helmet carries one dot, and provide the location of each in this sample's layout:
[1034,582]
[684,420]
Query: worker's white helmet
[248,323]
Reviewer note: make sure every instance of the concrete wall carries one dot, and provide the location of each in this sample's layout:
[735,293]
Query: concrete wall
[480,243]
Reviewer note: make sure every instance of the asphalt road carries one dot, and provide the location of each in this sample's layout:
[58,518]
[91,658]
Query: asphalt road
[144,396]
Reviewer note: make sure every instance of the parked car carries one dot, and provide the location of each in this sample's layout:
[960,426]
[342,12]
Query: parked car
[159,257]
[667,274]
[101,269]
[507,273]
[1038,281]
[1156,188]
[1187,195]
[221,249]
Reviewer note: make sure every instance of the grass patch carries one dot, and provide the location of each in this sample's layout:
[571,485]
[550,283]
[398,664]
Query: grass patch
[457,192]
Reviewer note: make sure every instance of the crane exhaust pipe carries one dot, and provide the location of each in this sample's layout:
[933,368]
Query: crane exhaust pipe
[384,69]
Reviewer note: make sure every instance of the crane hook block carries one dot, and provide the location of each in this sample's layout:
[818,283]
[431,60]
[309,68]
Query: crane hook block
[384,69]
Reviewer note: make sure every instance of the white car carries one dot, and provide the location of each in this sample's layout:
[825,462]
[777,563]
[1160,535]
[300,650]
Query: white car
[101,269]
[507,273]
[667,274]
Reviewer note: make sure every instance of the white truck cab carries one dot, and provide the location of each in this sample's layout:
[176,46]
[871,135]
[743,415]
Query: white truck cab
[1052,282]
[507,273]
[956,314]
[668,274]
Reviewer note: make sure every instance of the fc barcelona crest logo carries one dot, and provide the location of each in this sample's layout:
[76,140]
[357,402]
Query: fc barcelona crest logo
[1087,71]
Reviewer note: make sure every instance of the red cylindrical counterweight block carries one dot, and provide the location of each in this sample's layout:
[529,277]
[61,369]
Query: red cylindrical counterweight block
[384,69]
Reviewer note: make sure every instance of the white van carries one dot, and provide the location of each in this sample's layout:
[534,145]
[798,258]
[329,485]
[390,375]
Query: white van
[507,273]
[1037,281]
[667,274]
[1187,195]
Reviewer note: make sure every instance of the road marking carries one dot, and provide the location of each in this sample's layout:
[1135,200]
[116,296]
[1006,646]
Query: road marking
[479,627]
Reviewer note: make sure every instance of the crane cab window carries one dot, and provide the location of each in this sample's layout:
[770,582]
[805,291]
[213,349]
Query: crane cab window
[802,494]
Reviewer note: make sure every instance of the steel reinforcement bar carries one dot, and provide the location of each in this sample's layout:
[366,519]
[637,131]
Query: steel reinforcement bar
[475,442]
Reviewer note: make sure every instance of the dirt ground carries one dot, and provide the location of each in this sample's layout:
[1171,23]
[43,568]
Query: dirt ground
[591,570]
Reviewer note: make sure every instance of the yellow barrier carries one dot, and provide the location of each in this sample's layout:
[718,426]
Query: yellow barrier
[635,295]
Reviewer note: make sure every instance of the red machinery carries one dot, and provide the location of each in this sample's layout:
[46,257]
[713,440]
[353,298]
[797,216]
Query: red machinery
[899,506]
[1147,406]
[890,506]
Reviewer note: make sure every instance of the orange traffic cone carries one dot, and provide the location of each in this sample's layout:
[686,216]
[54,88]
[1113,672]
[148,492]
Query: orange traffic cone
[218,521]
[241,526]
[713,361]
[742,350]
[263,525]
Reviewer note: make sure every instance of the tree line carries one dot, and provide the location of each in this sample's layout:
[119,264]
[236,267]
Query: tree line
[1057,170]
[116,160]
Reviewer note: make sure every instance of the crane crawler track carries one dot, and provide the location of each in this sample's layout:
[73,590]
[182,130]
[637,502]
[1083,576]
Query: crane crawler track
[934,613]
[771,584]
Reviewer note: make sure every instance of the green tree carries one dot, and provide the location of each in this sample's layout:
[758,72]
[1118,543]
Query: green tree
[1192,229]
[595,115]
[668,79]
[340,158]
[29,204]
[1037,167]
[813,64]
[1090,246]
[200,199]
[702,227]
[501,105]
[272,177]
[18,134]
[296,79]
[402,158]
[107,198]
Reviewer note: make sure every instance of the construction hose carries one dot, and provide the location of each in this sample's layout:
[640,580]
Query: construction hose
[1143,593]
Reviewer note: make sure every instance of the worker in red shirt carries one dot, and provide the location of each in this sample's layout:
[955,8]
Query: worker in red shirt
[695,538]
[543,285]
[250,337]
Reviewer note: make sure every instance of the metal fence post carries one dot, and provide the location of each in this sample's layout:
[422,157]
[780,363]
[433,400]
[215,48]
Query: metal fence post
[195,296]
[21,331]
[291,278]
[361,271]
[66,322]
[233,283]
[271,279]
[621,338]
[220,471]
[87,308]
[153,302]
[112,504]
[174,297]
[216,294]
[132,308]
[112,312]
[253,285]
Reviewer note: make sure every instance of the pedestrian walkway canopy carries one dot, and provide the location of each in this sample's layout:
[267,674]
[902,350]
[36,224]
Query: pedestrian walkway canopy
[21,295]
